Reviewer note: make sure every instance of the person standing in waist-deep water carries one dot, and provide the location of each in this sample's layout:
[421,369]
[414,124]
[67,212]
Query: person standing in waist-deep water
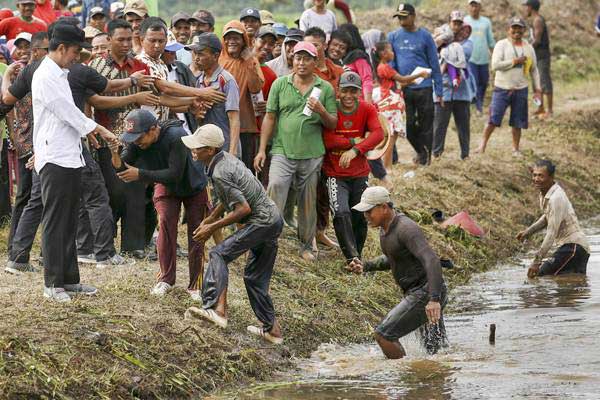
[562,228]
[241,194]
[416,269]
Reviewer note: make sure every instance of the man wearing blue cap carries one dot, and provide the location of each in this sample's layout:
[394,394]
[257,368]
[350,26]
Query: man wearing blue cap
[250,17]
[177,180]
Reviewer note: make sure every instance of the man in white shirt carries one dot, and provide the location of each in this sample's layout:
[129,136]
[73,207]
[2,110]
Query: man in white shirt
[59,127]
[562,228]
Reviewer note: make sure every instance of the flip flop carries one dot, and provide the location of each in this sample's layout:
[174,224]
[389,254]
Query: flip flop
[209,315]
[258,331]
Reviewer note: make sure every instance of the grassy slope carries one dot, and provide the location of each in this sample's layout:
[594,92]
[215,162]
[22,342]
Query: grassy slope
[124,343]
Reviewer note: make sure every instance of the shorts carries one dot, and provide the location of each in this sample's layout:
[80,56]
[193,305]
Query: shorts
[516,100]
[543,66]
[569,258]
[409,315]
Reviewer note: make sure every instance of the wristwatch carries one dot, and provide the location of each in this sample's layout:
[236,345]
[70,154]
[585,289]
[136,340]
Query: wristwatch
[134,80]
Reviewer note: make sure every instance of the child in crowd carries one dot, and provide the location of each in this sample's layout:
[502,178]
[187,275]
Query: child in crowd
[388,98]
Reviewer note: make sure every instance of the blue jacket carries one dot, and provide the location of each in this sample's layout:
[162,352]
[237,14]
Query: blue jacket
[466,90]
[416,49]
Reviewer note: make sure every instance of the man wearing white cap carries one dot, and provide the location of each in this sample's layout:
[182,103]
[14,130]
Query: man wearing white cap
[238,192]
[416,269]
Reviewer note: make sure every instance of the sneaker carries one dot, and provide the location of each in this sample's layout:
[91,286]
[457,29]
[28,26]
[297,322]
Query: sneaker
[116,260]
[57,294]
[86,258]
[81,289]
[161,289]
[195,295]
[16,268]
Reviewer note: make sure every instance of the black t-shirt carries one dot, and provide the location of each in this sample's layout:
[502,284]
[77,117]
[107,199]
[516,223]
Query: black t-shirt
[82,79]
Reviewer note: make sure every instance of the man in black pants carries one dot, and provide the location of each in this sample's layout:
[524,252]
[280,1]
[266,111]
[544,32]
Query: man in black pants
[240,193]
[59,127]
[416,269]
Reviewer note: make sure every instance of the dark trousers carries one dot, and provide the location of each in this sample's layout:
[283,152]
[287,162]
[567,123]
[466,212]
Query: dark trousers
[168,208]
[377,168]
[4,184]
[95,231]
[350,225]
[249,143]
[61,188]
[462,119]
[21,200]
[569,258]
[419,121]
[322,203]
[262,243]
[481,73]
[28,223]
[128,204]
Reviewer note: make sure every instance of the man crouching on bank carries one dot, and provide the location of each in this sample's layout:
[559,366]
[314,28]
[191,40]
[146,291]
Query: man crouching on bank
[416,269]
[237,191]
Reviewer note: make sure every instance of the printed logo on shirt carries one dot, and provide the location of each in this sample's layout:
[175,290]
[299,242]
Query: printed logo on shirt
[347,124]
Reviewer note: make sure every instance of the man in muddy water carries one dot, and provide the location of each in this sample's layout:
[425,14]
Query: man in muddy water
[562,228]
[416,269]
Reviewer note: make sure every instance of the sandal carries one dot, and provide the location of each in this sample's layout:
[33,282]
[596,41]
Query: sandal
[206,314]
[258,331]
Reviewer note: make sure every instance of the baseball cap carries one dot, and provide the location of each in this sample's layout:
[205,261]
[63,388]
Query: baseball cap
[204,17]
[457,15]
[516,21]
[117,5]
[350,79]
[23,36]
[307,47]
[25,2]
[137,123]
[404,10]
[294,35]
[203,41]
[372,197]
[266,17]
[280,29]
[180,16]
[137,7]
[208,135]
[266,30]
[173,46]
[96,11]
[475,1]
[535,4]
[91,32]
[69,34]
[250,12]
[231,28]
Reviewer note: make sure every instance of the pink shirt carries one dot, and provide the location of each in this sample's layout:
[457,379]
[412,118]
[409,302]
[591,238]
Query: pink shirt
[363,69]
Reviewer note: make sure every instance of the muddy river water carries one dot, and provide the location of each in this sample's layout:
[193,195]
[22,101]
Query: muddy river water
[547,346]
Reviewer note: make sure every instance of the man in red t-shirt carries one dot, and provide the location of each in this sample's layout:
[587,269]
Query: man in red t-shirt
[44,10]
[345,163]
[26,22]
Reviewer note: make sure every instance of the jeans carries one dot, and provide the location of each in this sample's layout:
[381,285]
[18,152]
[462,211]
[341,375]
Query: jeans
[60,195]
[261,241]
[481,73]
[462,119]
[350,225]
[168,208]
[419,121]
[303,175]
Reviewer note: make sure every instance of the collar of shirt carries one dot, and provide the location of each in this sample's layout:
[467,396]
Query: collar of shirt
[129,62]
[318,81]
[213,163]
[55,70]
[213,77]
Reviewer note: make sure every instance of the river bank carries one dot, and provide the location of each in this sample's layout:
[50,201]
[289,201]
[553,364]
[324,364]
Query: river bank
[124,343]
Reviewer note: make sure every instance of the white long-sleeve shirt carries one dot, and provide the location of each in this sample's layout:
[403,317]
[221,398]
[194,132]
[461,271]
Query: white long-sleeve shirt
[560,220]
[508,76]
[59,124]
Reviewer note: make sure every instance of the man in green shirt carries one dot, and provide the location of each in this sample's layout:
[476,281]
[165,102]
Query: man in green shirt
[297,149]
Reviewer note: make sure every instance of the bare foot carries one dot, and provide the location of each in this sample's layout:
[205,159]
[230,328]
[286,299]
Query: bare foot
[480,150]
[325,240]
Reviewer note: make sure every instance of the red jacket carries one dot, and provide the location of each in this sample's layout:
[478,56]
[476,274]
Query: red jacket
[364,119]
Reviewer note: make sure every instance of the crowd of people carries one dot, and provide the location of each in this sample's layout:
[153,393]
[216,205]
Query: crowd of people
[115,119]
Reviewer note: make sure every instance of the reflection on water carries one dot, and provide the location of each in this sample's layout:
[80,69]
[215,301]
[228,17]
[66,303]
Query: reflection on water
[547,346]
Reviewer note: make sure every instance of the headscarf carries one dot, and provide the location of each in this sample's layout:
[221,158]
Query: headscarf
[6,53]
[370,38]
[463,33]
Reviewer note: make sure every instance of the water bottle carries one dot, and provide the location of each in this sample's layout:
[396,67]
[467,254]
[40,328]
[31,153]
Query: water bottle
[316,92]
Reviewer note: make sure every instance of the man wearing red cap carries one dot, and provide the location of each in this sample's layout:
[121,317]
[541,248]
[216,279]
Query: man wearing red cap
[299,115]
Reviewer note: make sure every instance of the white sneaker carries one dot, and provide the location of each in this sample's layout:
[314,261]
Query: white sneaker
[116,260]
[16,268]
[87,259]
[57,294]
[161,289]
[81,289]
[195,295]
